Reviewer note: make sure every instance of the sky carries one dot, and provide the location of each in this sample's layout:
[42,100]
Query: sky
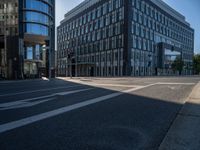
[189,8]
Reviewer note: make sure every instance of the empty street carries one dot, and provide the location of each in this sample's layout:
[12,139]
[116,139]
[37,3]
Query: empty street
[90,113]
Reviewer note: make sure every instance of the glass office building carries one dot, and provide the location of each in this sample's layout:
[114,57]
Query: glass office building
[28,53]
[123,38]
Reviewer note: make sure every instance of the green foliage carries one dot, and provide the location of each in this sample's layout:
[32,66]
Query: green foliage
[177,65]
[196,64]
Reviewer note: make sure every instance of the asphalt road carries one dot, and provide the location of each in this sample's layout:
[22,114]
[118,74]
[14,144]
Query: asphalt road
[90,113]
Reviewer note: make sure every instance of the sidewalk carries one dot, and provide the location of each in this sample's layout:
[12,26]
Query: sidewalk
[184,134]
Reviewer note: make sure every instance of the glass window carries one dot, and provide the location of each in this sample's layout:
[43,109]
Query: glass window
[137,29]
[93,14]
[96,25]
[99,12]
[101,22]
[134,42]
[145,21]
[135,14]
[117,4]
[89,16]
[142,31]
[114,17]
[110,7]
[37,52]
[37,5]
[104,8]
[140,18]
[144,44]
[107,20]
[142,6]
[36,17]
[133,2]
[147,10]
[121,13]
[36,29]
[138,4]
[139,43]
[29,53]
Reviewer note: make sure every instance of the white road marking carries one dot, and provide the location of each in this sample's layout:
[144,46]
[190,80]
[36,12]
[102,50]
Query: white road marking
[175,83]
[29,120]
[19,102]
[112,85]
[26,92]
[28,103]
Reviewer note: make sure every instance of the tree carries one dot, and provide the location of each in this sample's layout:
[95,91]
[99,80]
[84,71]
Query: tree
[196,64]
[177,65]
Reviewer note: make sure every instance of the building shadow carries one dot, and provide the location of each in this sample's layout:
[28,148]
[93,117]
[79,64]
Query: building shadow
[127,121]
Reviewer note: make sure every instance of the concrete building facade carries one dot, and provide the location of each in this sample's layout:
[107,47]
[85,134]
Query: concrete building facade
[124,38]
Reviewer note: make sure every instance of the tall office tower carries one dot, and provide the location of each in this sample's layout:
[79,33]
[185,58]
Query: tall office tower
[26,38]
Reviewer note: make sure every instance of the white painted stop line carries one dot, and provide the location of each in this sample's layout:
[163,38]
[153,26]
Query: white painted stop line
[29,120]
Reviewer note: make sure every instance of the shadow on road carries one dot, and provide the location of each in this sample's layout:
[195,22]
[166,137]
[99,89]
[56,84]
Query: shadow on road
[128,121]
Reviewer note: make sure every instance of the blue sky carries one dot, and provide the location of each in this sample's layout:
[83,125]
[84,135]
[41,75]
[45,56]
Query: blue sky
[189,8]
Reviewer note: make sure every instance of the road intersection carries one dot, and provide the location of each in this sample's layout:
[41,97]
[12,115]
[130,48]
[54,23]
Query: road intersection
[90,113]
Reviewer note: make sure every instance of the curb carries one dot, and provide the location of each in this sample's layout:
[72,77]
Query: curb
[184,134]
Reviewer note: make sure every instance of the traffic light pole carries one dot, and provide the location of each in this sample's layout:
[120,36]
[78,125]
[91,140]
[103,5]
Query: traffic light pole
[70,64]
[50,48]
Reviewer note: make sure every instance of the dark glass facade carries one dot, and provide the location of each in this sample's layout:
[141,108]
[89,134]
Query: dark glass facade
[36,27]
[38,23]
[123,38]
[9,33]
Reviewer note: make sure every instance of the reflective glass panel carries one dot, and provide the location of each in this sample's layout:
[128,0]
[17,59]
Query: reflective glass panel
[36,17]
[36,29]
[37,5]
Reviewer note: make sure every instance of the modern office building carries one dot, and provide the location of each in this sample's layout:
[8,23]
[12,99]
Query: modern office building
[27,34]
[124,38]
